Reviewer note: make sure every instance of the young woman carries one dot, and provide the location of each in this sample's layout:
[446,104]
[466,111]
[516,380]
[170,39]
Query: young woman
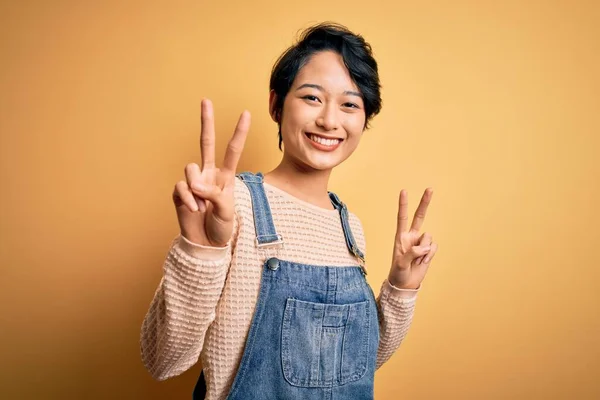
[266,282]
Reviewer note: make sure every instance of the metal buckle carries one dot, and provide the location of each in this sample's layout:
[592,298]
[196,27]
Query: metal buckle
[361,258]
[275,243]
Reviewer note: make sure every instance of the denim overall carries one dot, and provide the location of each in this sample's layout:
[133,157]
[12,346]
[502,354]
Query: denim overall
[315,331]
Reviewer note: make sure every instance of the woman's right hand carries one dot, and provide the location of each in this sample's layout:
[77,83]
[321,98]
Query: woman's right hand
[204,200]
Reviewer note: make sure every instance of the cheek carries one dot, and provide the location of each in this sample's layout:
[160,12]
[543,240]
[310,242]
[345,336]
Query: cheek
[354,127]
[298,116]
[354,140]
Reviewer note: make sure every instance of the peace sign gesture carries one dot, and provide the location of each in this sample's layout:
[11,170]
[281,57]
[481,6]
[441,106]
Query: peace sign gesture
[204,200]
[412,251]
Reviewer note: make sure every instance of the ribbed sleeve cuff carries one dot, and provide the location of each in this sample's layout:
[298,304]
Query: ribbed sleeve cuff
[389,291]
[204,253]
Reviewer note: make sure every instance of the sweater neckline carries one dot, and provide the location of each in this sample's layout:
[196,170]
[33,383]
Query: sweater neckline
[300,201]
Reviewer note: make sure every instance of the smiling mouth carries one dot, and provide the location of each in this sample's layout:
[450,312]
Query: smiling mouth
[330,142]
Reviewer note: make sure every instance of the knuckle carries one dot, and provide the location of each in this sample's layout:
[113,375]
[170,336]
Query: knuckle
[191,167]
[235,148]
[206,140]
[181,188]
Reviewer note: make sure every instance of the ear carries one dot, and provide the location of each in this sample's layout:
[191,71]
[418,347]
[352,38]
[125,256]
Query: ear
[272,101]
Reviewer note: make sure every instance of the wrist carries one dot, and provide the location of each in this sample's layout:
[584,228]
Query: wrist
[396,283]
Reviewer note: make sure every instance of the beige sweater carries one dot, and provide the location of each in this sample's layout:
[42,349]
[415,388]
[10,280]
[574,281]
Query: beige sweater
[205,301]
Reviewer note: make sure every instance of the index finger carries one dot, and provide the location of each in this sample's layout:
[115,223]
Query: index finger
[403,212]
[421,210]
[236,144]
[207,135]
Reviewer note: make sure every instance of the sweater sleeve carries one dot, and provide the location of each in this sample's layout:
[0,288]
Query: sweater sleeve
[395,309]
[183,307]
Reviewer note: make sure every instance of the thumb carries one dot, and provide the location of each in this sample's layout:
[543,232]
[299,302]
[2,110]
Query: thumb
[220,199]
[207,192]
[418,251]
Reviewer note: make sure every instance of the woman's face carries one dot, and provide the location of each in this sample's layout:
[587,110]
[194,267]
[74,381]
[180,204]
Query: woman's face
[323,114]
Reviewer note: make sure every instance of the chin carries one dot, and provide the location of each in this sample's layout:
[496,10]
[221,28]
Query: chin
[322,163]
[323,167]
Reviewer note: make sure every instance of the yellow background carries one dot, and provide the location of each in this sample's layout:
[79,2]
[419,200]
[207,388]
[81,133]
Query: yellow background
[493,104]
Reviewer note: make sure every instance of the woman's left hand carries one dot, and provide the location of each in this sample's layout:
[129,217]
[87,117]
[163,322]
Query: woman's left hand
[413,251]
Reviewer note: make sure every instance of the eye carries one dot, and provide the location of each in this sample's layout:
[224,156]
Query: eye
[351,105]
[311,98]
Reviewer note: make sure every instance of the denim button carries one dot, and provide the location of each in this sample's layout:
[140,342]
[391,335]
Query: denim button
[273,264]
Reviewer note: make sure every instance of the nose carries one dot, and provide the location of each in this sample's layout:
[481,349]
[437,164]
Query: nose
[328,118]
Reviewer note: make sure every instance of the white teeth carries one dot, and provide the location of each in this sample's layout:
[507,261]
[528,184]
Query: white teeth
[326,142]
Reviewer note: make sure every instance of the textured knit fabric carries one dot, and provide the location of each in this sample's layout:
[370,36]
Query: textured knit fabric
[205,301]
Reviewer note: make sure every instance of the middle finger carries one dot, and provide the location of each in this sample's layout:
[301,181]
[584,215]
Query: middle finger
[236,144]
[421,210]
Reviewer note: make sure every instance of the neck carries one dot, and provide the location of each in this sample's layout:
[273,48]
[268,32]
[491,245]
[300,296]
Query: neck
[307,184]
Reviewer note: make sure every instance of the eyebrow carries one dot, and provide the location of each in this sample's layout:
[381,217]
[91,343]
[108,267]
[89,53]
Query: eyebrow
[319,87]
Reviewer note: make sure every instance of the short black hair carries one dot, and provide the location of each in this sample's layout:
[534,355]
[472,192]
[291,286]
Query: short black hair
[354,50]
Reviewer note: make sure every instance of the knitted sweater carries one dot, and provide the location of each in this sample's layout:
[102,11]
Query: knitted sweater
[205,301]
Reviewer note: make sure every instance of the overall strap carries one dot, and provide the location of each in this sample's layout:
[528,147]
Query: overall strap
[263,219]
[350,242]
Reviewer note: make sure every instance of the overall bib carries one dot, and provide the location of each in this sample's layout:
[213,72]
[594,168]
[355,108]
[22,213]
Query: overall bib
[315,332]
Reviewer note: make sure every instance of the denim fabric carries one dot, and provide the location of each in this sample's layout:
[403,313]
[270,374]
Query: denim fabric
[314,332]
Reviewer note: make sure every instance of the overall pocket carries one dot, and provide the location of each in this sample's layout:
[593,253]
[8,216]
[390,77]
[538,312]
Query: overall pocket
[324,345]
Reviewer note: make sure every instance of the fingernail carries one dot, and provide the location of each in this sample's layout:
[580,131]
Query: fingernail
[426,260]
[199,187]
